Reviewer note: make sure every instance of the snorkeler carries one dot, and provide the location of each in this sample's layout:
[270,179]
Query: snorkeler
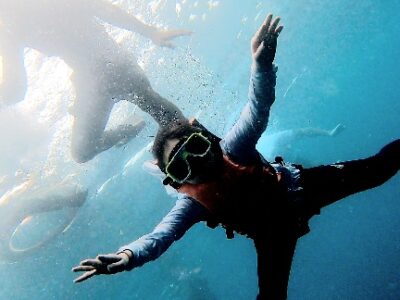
[22,202]
[103,72]
[271,146]
[227,181]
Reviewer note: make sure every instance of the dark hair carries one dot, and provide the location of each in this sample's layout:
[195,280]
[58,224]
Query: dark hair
[179,130]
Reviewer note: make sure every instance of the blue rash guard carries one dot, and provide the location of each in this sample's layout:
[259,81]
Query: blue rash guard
[239,144]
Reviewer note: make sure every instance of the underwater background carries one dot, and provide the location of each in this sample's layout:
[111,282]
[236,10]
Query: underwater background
[338,62]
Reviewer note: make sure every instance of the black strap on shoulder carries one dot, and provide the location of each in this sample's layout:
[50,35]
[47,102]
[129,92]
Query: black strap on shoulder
[213,223]
[279,160]
[169,181]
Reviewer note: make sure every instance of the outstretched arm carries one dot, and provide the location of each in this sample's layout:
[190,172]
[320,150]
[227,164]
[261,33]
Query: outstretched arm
[240,142]
[13,82]
[184,215]
[114,15]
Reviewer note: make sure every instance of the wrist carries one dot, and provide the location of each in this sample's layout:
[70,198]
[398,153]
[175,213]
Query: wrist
[127,252]
[130,264]
[261,67]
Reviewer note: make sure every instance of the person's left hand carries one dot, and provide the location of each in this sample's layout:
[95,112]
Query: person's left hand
[103,264]
[163,37]
[263,43]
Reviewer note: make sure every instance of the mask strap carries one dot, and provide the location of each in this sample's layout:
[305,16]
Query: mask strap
[169,181]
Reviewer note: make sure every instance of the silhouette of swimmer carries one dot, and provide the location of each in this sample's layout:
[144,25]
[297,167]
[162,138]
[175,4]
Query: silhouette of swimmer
[21,203]
[280,143]
[103,73]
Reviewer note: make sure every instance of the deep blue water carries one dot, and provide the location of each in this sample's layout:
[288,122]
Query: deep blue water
[338,62]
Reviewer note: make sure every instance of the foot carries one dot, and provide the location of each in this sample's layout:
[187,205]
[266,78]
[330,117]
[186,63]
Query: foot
[130,132]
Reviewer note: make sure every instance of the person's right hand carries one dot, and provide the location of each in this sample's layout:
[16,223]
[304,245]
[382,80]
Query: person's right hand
[103,264]
[263,43]
[163,37]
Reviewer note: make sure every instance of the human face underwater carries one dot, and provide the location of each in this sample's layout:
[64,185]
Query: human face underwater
[187,155]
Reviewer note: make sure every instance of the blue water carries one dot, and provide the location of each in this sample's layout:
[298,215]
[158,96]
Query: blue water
[338,62]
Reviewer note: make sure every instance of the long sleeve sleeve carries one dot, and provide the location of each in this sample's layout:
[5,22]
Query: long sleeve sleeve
[182,216]
[240,142]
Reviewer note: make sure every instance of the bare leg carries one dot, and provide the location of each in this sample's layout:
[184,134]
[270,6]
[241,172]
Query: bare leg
[15,209]
[91,112]
[86,144]
[163,111]
[115,80]
[122,134]
[134,86]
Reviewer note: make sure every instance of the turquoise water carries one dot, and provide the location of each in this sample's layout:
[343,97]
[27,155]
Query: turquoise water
[338,63]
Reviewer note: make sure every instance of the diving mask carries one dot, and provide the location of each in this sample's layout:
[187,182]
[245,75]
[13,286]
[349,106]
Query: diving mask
[178,168]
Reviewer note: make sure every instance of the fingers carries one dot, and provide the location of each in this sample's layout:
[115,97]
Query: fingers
[85,276]
[102,264]
[116,267]
[258,36]
[82,268]
[274,25]
[108,258]
[178,32]
[100,260]
[268,31]
[164,37]
[264,28]
[91,262]
[278,30]
[268,20]
[269,27]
